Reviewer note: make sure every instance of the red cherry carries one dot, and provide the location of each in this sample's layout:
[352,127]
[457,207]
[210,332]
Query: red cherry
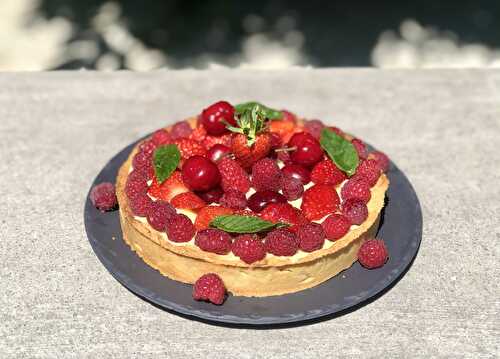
[308,150]
[200,174]
[217,152]
[297,171]
[259,200]
[211,117]
[211,196]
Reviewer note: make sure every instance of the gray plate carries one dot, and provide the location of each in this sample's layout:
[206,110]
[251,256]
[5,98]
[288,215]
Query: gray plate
[401,229]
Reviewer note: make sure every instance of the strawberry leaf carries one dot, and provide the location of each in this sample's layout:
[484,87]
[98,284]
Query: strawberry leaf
[342,152]
[244,224]
[165,160]
[264,111]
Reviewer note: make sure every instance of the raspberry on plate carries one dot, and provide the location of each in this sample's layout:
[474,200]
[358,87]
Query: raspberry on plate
[311,237]
[356,187]
[233,176]
[103,196]
[266,175]
[355,210]
[382,160]
[281,242]
[233,199]
[248,248]
[159,214]
[336,226]
[326,172]
[318,201]
[209,287]
[213,240]
[180,228]
[373,254]
[207,214]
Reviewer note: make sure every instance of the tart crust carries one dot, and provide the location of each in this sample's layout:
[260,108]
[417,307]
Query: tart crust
[273,275]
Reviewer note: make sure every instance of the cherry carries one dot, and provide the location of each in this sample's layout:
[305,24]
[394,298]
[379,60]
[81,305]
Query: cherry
[297,171]
[217,152]
[212,117]
[211,196]
[200,174]
[259,200]
[307,149]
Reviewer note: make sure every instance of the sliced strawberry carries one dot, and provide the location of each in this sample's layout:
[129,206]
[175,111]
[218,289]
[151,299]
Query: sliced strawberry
[282,212]
[319,200]
[284,129]
[326,172]
[187,200]
[189,148]
[170,188]
[207,214]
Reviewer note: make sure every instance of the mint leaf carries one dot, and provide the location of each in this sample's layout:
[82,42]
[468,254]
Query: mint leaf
[165,160]
[341,151]
[244,224]
[264,111]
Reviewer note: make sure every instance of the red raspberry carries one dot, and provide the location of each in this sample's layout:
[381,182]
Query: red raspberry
[233,176]
[282,212]
[369,170]
[336,226]
[140,205]
[326,172]
[181,129]
[356,187]
[213,240]
[311,237]
[103,196]
[190,148]
[382,160]
[136,185]
[148,147]
[373,254]
[233,199]
[141,160]
[266,175]
[292,187]
[180,228]
[208,213]
[360,148]
[314,127]
[355,210]
[187,200]
[211,141]
[209,287]
[199,134]
[248,248]
[161,137]
[281,242]
[159,214]
[318,201]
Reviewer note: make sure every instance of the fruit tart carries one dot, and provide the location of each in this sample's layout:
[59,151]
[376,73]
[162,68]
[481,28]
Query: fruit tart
[252,197]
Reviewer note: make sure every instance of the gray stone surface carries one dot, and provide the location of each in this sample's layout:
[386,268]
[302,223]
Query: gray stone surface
[58,129]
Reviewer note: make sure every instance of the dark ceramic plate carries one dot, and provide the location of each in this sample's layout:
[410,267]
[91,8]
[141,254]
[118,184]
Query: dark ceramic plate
[401,229]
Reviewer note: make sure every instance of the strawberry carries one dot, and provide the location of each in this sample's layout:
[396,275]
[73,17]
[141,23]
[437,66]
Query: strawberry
[198,134]
[187,200]
[282,212]
[233,176]
[245,212]
[319,200]
[207,214]
[189,148]
[210,141]
[170,188]
[326,172]
[284,129]
[248,155]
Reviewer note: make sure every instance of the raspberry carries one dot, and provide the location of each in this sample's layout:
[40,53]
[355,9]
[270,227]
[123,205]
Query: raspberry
[266,175]
[189,148]
[311,237]
[356,188]
[141,160]
[180,228]
[373,254]
[368,170]
[233,199]
[210,141]
[213,240]
[360,148]
[336,226]
[103,196]
[292,187]
[159,214]
[181,129]
[281,242]
[233,176]
[314,127]
[282,212]
[382,160]
[355,210]
[161,137]
[209,287]
[136,184]
[248,248]
[198,134]
[140,205]
[318,201]
[187,200]
[326,172]
[148,147]
[207,214]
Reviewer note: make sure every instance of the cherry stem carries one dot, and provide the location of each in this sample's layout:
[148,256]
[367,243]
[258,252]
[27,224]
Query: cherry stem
[286,149]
